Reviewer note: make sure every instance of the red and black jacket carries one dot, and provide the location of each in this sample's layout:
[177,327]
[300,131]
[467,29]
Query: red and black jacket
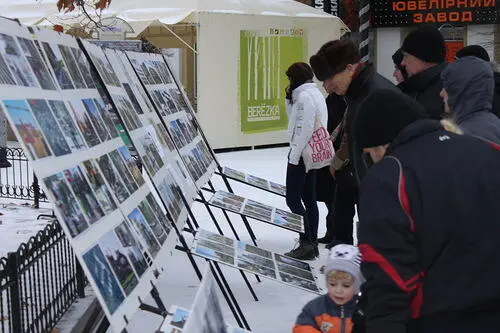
[429,217]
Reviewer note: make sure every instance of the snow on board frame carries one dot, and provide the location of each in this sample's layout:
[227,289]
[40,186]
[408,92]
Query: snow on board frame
[255,260]
[171,106]
[257,210]
[161,167]
[73,148]
[255,181]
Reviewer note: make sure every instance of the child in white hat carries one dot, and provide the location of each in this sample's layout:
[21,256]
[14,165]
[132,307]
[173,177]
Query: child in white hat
[332,312]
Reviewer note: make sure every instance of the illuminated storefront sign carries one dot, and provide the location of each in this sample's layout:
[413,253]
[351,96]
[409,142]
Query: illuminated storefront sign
[397,13]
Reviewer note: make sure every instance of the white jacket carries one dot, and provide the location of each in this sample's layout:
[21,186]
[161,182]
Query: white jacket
[308,103]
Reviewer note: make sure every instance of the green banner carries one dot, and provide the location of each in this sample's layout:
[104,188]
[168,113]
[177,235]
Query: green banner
[264,58]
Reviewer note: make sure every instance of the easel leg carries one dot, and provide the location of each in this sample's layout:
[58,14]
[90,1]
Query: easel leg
[231,295]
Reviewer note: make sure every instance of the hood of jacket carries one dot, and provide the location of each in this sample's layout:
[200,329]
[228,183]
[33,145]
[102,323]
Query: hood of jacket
[470,86]
[303,87]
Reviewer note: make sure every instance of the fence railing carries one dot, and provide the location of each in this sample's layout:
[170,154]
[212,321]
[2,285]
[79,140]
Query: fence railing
[18,181]
[39,282]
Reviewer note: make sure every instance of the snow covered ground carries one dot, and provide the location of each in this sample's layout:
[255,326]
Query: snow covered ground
[278,304]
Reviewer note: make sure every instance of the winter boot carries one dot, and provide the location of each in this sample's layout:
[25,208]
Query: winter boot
[327,238]
[305,251]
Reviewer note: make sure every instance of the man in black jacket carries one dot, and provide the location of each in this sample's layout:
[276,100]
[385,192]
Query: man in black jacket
[424,54]
[429,228]
[337,64]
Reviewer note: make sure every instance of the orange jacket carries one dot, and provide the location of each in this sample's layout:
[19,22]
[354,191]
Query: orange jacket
[322,315]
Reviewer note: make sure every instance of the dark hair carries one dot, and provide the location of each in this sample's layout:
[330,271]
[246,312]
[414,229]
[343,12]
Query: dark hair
[298,74]
[333,57]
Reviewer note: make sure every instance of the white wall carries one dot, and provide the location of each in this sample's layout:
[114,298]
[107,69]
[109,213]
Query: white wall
[219,48]
[483,35]
[388,41]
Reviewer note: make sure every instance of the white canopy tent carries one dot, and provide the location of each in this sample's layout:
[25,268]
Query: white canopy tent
[219,24]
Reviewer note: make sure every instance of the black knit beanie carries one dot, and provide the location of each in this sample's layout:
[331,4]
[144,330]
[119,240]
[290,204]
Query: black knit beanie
[382,116]
[474,51]
[426,43]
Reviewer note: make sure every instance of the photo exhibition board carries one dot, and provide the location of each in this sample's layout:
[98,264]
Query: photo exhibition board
[71,139]
[174,110]
[144,127]
[255,260]
[257,210]
[177,318]
[255,181]
[206,312]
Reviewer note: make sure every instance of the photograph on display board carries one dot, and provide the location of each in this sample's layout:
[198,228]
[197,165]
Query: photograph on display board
[278,188]
[106,70]
[151,215]
[292,270]
[217,247]
[157,210]
[152,72]
[226,202]
[204,234]
[113,178]
[127,112]
[84,194]
[150,155]
[72,135]
[5,75]
[96,119]
[142,228]
[84,124]
[109,116]
[258,210]
[284,217]
[133,99]
[66,203]
[58,66]
[163,137]
[83,66]
[179,318]
[100,188]
[214,255]
[293,262]
[49,126]
[104,278]
[131,163]
[256,259]
[28,128]
[132,248]
[169,100]
[301,283]
[232,173]
[179,99]
[180,139]
[255,250]
[120,165]
[164,72]
[138,68]
[207,156]
[124,172]
[117,258]
[155,225]
[192,165]
[72,67]
[257,181]
[18,65]
[252,267]
[169,192]
[37,63]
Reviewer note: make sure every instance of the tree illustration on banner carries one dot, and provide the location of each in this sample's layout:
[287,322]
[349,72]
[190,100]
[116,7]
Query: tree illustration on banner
[264,59]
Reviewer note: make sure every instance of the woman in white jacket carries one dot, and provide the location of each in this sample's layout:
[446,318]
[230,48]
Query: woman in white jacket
[304,104]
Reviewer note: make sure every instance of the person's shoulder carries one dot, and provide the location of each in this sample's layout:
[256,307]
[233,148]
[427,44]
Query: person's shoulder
[382,174]
[318,304]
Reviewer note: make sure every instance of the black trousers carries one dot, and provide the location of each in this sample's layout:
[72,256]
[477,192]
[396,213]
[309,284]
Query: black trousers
[346,197]
[301,188]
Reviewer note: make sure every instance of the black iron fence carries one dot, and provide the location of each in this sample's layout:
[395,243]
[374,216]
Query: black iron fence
[39,282]
[18,181]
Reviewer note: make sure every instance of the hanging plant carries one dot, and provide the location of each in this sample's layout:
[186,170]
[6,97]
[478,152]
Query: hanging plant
[70,5]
